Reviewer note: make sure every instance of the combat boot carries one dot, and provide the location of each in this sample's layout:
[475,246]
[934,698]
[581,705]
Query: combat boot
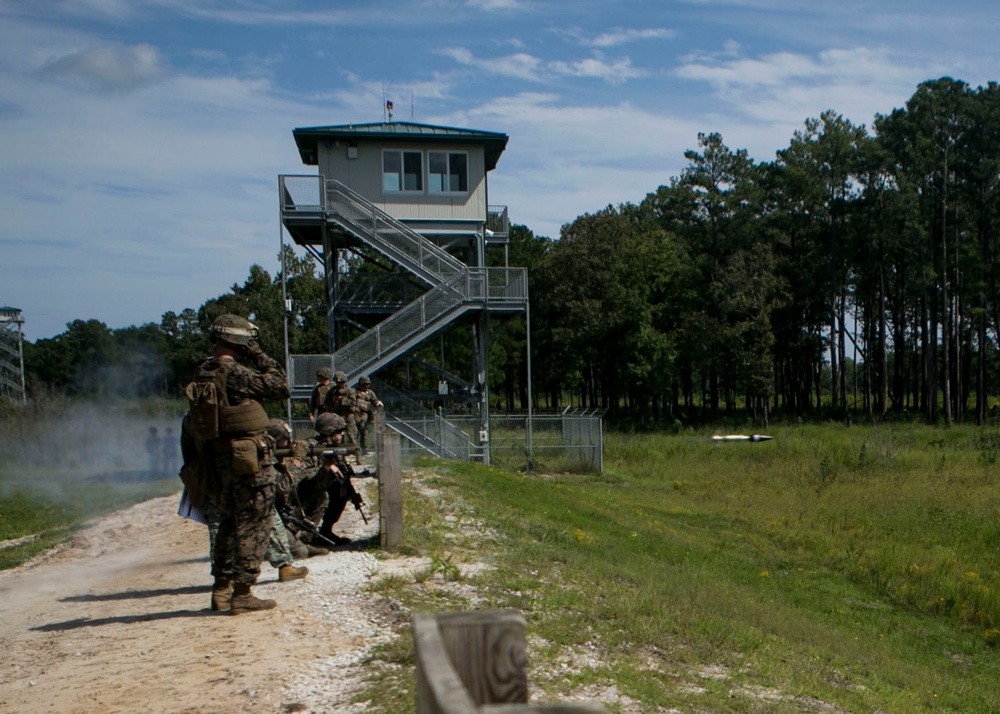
[245,601]
[291,572]
[315,550]
[222,593]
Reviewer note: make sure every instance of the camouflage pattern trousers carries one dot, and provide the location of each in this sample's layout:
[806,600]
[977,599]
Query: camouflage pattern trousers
[351,419]
[279,547]
[362,423]
[245,506]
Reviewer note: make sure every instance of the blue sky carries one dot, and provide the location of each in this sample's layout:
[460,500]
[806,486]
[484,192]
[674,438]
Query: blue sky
[141,140]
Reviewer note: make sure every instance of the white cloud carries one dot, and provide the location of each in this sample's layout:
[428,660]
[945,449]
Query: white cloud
[791,87]
[528,67]
[519,65]
[491,5]
[614,71]
[620,36]
[107,68]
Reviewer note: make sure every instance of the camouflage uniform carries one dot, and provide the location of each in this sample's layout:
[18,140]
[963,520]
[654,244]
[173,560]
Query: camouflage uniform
[325,495]
[317,400]
[295,494]
[246,503]
[339,492]
[368,403]
[343,401]
[279,549]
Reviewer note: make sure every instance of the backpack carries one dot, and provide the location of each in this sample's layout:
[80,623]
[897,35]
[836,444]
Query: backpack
[206,396]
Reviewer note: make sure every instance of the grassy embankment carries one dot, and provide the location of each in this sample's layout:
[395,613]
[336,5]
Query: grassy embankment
[855,567]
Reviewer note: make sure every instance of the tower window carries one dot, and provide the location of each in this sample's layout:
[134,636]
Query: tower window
[402,171]
[447,172]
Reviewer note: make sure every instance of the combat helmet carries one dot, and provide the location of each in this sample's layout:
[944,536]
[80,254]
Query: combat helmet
[323,373]
[365,380]
[329,423]
[340,377]
[279,430]
[233,329]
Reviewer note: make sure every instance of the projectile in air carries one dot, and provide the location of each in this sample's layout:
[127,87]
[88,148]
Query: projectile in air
[741,437]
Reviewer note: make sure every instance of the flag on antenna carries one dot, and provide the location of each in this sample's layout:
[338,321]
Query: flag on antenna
[388,108]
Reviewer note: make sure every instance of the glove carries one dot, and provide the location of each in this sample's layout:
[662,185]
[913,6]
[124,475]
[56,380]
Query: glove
[253,348]
[357,500]
[300,449]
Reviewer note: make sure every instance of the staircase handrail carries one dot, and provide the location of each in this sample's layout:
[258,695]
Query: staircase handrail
[416,430]
[472,287]
[409,249]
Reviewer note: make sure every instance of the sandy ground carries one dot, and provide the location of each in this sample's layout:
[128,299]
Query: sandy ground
[118,620]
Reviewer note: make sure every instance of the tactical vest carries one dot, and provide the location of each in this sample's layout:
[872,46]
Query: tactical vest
[343,402]
[212,416]
[320,397]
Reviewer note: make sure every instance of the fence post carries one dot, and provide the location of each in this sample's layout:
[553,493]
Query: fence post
[390,489]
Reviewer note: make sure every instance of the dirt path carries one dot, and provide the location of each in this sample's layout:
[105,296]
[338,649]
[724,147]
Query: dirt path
[117,620]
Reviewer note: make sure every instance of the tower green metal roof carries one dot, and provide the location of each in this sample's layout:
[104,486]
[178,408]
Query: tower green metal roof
[308,138]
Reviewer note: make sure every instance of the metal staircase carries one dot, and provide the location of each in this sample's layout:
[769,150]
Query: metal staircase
[453,291]
[454,288]
[471,289]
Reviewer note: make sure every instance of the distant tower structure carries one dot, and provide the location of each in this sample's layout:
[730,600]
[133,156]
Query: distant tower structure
[11,355]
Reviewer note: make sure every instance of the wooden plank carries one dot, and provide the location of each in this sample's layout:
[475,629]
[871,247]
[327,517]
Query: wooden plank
[487,650]
[439,688]
[544,708]
[390,489]
[474,663]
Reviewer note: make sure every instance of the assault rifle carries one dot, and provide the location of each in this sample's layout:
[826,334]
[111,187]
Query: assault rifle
[329,459]
[287,514]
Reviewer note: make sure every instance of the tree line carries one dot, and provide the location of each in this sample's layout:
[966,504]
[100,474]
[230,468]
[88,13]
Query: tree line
[853,274]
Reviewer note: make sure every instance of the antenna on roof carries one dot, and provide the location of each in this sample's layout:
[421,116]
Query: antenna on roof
[411,105]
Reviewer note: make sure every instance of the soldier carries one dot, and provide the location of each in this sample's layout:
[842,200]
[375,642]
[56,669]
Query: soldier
[329,491]
[342,400]
[317,400]
[230,423]
[292,471]
[368,404]
[280,549]
[153,451]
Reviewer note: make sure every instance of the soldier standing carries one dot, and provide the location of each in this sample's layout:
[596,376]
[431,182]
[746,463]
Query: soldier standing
[368,404]
[153,451]
[317,400]
[342,400]
[239,452]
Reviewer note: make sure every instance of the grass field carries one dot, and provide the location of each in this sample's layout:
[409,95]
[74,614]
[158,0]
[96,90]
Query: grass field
[831,569]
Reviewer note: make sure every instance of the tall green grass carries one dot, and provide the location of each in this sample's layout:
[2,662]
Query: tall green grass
[833,566]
